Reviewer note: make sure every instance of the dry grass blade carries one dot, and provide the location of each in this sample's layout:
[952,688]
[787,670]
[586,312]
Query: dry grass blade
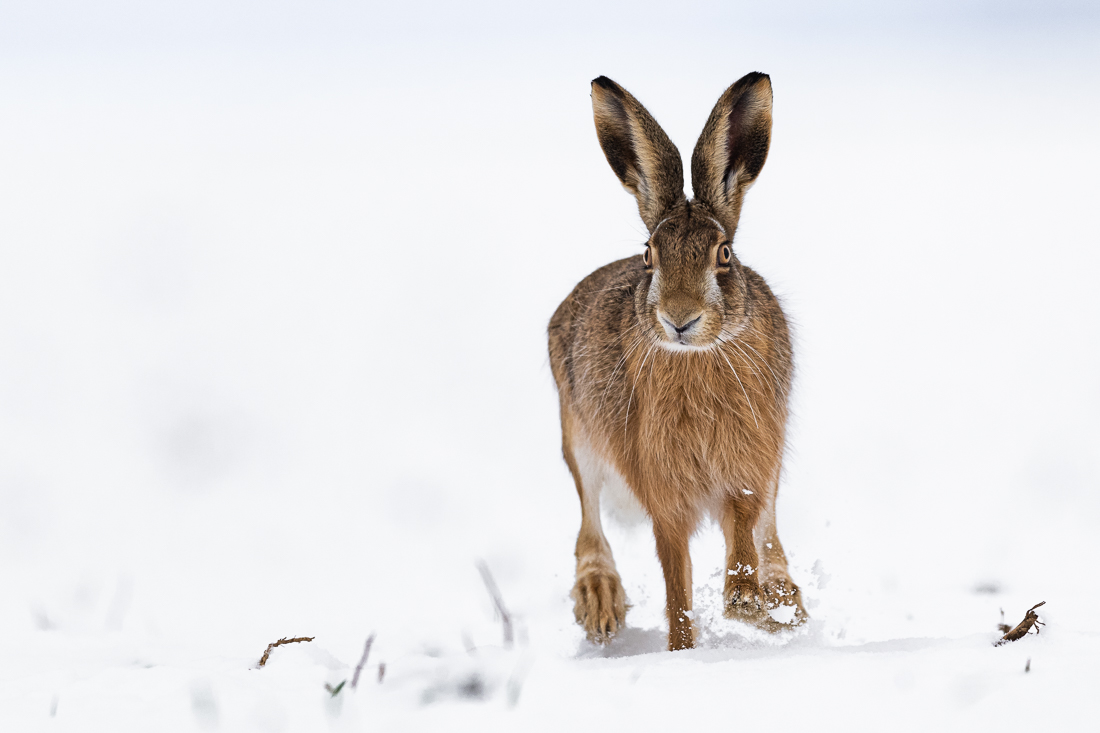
[498,601]
[1020,630]
[280,642]
[362,662]
[1003,627]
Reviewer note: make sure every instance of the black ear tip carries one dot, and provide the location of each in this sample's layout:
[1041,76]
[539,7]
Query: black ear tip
[757,76]
[604,83]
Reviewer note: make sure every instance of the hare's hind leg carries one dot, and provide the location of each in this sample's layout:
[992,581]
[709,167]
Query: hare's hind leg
[598,595]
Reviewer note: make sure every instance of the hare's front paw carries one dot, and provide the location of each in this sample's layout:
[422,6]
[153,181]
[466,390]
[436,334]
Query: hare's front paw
[599,604]
[783,592]
[744,599]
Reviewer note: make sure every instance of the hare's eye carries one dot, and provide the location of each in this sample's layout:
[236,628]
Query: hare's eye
[647,260]
[724,255]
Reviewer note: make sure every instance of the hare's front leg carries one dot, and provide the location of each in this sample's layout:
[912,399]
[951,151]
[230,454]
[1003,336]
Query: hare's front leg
[599,601]
[672,550]
[779,589]
[743,595]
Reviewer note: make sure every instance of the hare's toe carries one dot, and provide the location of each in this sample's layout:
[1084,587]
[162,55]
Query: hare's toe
[744,600]
[599,605]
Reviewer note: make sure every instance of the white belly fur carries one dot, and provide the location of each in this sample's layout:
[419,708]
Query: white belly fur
[605,487]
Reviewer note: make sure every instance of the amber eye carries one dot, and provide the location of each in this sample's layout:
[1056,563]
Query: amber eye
[724,255]
[646,258]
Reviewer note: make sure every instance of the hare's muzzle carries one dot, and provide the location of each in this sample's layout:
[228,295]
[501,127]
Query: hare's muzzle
[680,327]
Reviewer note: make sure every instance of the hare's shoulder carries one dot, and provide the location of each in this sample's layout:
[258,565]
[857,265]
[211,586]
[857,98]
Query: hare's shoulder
[597,306]
[764,301]
[770,329]
[611,284]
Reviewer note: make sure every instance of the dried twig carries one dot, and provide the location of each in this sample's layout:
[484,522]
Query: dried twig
[381,671]
[280,642]
[1021,629]
[362,662]
[498,601]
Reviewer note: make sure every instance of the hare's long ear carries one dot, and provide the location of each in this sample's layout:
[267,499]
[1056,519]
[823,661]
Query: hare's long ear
[732,149]
[639,151]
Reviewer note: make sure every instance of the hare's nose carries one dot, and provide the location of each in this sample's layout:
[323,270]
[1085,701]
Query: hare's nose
[683,324]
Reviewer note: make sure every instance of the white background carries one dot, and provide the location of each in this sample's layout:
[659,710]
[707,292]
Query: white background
[274,283]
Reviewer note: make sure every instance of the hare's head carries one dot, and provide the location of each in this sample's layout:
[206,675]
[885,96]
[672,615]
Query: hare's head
[692,294]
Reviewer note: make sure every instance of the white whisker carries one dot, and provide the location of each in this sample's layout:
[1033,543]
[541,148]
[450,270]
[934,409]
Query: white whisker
[748,358]
[765,361]
[638,341]
[754,420]
[629,401]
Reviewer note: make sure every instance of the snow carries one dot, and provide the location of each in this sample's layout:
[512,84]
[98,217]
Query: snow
[273,298]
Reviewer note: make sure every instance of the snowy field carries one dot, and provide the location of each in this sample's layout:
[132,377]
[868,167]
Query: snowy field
[274,284]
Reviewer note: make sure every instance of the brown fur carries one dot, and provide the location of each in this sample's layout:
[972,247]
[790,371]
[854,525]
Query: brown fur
[676,376]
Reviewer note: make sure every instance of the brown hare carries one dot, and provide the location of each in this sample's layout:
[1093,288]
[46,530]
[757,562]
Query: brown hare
[674,366]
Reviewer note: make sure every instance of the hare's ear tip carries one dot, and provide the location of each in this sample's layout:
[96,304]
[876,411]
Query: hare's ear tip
[604,83]
[758,81]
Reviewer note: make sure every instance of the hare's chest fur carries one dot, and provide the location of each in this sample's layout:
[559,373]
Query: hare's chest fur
[704,423]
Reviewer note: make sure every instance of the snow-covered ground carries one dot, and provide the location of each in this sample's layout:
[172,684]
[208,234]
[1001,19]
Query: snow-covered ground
[273,296]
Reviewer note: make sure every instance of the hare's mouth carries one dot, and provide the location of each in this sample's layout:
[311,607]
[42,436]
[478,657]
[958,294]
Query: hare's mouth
[684,333]
[681,343]
[684,346]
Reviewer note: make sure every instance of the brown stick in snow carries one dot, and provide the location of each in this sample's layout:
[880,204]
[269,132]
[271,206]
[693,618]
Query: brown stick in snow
[280,642]
[498,601]
[362,662]
[1030,619]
